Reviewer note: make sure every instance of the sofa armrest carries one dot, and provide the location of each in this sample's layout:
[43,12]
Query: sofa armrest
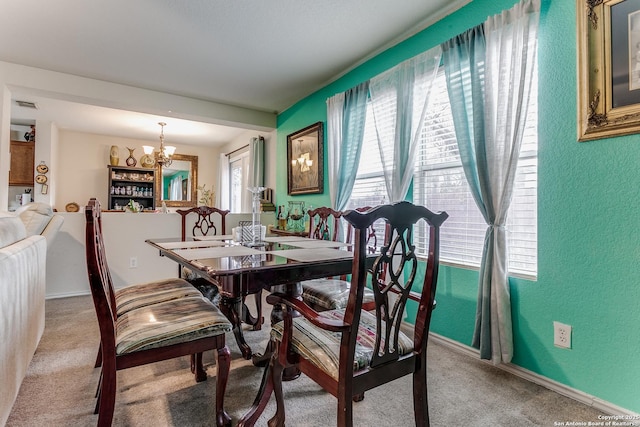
[52,228]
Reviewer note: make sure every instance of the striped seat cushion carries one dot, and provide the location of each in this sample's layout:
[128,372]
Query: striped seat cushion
[330,294]
[322,348]
[166,323]
[144,294]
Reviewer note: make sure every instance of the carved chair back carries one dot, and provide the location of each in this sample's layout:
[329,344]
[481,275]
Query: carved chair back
[324,223]
[205,223]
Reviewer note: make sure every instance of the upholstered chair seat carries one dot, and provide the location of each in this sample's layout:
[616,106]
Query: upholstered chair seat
[322,347]
[333,292]
[171,322]
[330,293]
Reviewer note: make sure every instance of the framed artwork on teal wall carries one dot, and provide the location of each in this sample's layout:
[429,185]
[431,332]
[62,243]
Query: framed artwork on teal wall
[608,68]
[305,165]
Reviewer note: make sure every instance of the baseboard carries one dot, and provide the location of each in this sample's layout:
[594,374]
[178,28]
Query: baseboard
[577,395]
[69,294]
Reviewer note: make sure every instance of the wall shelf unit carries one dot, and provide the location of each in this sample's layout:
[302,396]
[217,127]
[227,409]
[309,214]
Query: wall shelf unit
[128,183]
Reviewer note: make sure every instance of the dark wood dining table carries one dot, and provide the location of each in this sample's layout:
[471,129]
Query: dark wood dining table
[278,263]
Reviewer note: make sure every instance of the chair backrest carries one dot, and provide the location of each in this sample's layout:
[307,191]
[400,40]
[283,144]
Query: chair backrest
[395,271]
[375,234]
[99,276]
[204,224]
[324,223]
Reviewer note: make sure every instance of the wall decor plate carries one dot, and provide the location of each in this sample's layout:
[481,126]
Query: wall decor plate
[72,207]
[42,168]
[41,179]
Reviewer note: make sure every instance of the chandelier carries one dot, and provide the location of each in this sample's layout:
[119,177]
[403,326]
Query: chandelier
[162,156]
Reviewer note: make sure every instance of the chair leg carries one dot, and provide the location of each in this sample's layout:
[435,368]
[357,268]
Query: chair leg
[420,401]
[97,395]
[98,357]
[345,410]
[223,362]
[107,398]
[198,368]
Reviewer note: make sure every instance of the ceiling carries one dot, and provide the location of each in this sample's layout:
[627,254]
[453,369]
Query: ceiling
[258,54]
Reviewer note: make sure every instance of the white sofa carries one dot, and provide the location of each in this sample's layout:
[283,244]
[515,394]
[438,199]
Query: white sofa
[39,218]
[23,252]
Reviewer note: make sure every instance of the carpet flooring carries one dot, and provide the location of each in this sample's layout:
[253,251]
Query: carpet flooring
[61,381]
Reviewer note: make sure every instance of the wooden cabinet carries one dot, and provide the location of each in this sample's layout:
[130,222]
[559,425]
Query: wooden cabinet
[22,161]
[126,183]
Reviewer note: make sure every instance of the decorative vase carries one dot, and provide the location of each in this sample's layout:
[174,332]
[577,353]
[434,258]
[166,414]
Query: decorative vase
[114,155]
[131,161]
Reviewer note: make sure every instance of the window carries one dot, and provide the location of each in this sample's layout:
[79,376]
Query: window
[439,183]
[369,188]
[239,197]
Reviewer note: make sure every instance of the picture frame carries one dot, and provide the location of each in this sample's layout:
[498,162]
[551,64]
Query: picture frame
[305,166]
[608,68]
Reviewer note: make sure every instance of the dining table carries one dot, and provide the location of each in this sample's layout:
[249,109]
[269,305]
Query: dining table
[277,263]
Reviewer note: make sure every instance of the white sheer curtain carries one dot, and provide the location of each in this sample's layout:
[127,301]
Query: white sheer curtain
[222,193]
[399,100]
[256,162]
[346,114]
[511,55]
[335,111]
[176,188]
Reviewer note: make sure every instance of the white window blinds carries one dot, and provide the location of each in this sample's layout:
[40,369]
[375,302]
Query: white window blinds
[439,184]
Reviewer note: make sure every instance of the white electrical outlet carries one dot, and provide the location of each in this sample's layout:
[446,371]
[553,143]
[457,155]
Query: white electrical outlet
[133,262]
[561,335]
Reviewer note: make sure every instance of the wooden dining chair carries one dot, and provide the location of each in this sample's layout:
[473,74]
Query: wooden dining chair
[333,292]
[203,223]
[150,333]
[139,295]
[204,220]
[349,351]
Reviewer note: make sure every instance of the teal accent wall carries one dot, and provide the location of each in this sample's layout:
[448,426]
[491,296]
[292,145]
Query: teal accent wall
[588,220]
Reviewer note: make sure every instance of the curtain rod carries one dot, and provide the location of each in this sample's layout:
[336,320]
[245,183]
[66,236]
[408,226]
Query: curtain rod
[237,149]
[243,147]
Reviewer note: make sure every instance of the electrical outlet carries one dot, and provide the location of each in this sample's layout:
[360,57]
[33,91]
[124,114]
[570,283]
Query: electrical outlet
[561,335]
[133,262]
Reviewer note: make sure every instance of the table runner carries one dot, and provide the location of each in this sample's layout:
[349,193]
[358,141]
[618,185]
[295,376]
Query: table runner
[216,237]
[219,252]
[309,255]
[278,239]
[192,244]
[313,244]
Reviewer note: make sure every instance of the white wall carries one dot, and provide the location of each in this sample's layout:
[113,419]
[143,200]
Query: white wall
[124,235]
[83,158]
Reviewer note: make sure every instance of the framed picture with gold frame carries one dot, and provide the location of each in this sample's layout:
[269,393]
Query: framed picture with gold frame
[608,68]
[305,174]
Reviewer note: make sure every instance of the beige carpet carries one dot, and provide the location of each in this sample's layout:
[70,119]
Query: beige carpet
[61,381]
